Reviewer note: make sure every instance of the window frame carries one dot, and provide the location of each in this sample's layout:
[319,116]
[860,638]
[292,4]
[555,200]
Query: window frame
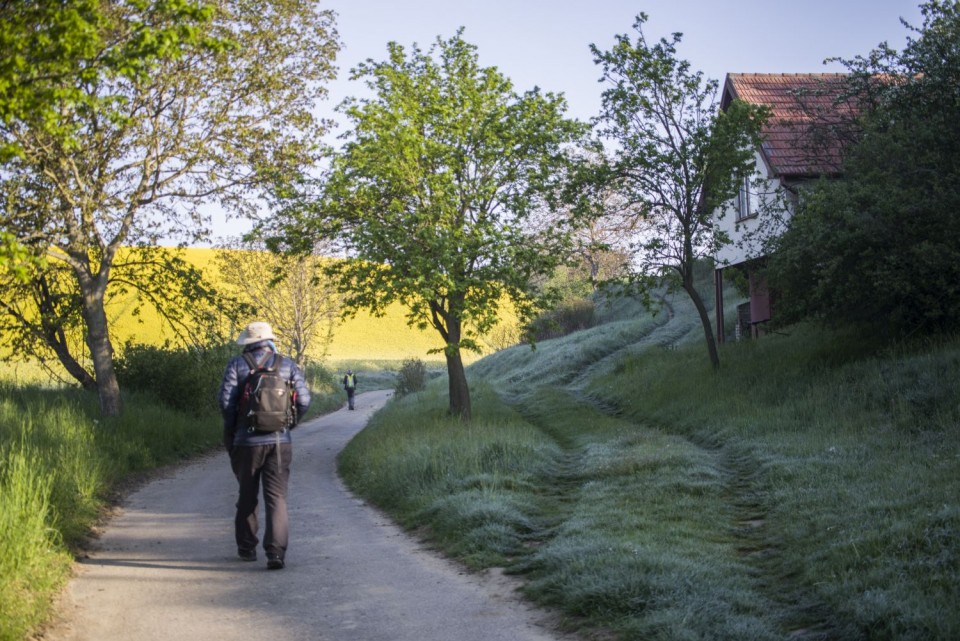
[743,201]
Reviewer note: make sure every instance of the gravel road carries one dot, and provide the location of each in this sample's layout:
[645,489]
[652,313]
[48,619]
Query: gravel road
[166,568]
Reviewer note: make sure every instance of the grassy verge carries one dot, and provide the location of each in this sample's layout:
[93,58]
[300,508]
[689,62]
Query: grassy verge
[810,491]
[60,465]
[472,491]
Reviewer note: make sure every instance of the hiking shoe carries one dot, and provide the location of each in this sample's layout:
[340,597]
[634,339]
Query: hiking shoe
[247,555]
[274,562]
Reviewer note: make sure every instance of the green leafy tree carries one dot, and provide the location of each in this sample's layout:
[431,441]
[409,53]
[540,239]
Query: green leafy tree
[443,169]
[881,246]
[46,48]
[676,158]
[49,50]
[168,119]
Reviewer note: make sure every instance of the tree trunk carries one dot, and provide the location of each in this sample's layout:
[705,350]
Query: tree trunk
[691,290]
[101,351]
[459,390]
[57,342]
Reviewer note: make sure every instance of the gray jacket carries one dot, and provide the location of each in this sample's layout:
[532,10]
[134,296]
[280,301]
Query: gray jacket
[229,396]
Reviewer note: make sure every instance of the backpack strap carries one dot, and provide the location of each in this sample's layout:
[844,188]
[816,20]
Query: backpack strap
[257,365]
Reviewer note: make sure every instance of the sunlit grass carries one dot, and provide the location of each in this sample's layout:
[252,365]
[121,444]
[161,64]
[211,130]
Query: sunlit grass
[61,464]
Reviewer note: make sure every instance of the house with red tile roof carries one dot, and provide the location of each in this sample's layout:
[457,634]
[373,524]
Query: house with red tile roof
[810,124]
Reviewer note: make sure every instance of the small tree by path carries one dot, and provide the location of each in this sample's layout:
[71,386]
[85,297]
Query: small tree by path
[289,292]
[677,158]
[433,193]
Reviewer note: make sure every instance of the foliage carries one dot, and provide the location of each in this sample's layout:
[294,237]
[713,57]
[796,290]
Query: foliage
[16,260]
[677,157]
[289,292]
[432,193]
[411,378]
[571,315]
[52,49]
[184,379]
[139,150]
[881,247]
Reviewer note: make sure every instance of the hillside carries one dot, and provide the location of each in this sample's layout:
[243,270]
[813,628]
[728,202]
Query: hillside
[808,490]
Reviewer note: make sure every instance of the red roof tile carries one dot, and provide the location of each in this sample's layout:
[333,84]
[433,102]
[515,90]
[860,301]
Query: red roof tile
[805,135]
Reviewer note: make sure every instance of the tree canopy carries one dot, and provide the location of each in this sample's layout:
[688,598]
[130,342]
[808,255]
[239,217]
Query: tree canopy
[435,191]
[48,48]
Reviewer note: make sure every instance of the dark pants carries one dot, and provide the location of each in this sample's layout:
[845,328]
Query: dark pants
[269,464]
[350,392]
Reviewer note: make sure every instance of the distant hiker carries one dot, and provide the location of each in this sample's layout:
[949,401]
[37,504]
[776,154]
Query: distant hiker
[350,384]
[262,396]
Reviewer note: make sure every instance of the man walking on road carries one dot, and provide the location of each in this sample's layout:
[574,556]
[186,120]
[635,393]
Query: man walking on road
[261,450]
[350,385]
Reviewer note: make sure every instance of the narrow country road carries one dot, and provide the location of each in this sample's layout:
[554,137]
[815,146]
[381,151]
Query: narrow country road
[166,566]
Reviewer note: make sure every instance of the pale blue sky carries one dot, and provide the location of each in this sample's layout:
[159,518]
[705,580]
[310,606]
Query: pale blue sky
[546,42]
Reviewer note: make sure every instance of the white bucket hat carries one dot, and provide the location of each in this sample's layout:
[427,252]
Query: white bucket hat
[255,332]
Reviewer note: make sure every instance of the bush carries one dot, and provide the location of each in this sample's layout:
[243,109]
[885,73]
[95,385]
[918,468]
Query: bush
[570,316]
[412,377]
[325,390]
[880,248]
[183,379]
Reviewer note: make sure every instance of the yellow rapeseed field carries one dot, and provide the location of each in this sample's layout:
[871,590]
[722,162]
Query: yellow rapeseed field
[361,338]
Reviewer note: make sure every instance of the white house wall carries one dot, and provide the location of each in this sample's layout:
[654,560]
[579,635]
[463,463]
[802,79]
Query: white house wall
[767,195]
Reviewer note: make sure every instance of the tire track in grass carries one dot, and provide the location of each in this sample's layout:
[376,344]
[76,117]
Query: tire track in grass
[610,498]
[802,616]
[751,538]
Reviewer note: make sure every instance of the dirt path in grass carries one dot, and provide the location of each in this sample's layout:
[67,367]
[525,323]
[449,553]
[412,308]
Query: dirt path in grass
[166,568]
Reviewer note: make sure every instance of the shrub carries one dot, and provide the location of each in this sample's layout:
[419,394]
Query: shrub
[412,377]
[570,316]
[183,379]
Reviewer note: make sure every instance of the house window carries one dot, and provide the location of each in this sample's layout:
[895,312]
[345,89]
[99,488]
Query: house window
[743,200]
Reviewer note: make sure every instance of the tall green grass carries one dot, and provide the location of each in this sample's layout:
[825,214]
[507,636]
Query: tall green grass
[33,563]
[61,464]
